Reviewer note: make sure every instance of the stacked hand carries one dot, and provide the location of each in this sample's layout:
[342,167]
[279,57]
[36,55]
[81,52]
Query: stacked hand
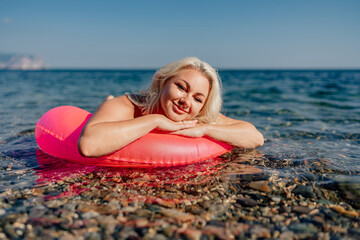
[188,128]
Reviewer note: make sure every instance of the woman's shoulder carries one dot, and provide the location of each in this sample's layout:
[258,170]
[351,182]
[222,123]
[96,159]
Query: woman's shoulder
[116,108]
[117,102]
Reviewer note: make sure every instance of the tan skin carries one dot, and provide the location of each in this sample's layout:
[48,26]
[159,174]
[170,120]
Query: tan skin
[119,122]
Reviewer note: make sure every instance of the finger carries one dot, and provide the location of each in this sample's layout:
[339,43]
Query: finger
[188,122]
[183,133]
[184,125]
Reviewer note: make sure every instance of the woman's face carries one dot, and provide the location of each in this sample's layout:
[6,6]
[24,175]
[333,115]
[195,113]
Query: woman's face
[184,95]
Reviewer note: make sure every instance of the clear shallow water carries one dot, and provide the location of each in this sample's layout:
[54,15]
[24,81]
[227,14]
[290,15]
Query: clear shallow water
[310,119]
[304,115]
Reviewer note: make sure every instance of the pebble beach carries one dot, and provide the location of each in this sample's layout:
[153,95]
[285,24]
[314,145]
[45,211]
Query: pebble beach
[303,183]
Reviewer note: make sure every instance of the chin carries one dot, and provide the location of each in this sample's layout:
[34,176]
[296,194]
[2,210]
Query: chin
[175,117]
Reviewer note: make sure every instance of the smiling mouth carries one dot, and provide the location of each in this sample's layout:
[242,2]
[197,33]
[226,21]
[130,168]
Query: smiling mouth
[178,109]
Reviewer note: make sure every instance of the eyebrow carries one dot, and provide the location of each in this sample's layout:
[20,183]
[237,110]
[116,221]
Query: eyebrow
[189,87]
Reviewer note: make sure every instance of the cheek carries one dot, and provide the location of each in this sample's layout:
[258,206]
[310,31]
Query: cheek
[165,98]
[171,93]
[197,108]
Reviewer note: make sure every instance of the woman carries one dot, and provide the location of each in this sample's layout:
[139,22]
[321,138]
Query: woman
[184,98]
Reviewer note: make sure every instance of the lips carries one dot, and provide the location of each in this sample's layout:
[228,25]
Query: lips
[177,109]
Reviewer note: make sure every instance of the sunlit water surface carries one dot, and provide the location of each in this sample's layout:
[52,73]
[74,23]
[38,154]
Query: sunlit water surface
[310,119]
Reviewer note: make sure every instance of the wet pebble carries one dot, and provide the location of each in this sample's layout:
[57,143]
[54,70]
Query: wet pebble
[287,235]
[192,234]
[342,210]
[301,210]
[276,199]
[304,230]
[305,191]
[233,206]
[180,216]
[38,211]
[90,214]
[260,186]
[248,202]
[260,232]
[2,212]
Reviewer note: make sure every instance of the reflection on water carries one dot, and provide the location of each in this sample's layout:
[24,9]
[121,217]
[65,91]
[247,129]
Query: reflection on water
[173,184]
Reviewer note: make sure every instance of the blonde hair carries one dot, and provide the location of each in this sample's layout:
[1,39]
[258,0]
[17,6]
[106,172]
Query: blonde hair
[212,106]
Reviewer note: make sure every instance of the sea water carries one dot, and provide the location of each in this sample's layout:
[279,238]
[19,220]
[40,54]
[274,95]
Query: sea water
[310,120]
[303,115]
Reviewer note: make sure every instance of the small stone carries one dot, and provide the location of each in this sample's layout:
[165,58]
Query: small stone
[276,234]
[284,209]
[108,223]
[303,230]
[215,230]
[260,232]
[323,236]
[264,210]
[180,216]
[288,235]
[160,237]
[54,204]
[150,234]
[142,222]
[84,208]
[143,213]
[90,235]
[128,209]
[90,214]
[115,204]
[247,202]
[301,210]
[192,234]
[342,210]
[260,186]
[168,231]
[276,199]
[2,211]
[3,236]
[318,221]
[155,208]
[305,191]
[314,211]
[38,211]
[278,218]
[67,236]
[10,231]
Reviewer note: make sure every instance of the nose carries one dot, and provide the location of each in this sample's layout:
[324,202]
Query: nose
[184,102]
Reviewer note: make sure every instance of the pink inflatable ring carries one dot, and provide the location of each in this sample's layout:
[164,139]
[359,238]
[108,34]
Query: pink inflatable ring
[57,133]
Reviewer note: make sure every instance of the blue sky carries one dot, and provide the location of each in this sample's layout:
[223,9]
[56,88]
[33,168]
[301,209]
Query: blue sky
[150,33]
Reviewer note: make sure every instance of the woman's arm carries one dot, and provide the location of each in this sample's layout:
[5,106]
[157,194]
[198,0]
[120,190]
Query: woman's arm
[234,132]
[113,126]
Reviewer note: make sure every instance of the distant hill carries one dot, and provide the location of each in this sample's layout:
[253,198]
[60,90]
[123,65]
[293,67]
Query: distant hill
[21,62]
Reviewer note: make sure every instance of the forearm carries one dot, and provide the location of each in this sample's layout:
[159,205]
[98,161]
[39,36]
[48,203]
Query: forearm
[242,134]
[103,138]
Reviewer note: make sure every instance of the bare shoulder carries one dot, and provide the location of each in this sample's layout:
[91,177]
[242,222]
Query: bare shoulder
[115,109]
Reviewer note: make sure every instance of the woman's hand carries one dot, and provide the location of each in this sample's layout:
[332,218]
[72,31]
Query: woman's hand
[198,130]
[166,124]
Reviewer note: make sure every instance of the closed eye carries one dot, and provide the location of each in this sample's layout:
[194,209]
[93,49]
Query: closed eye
[198,99]
[181,86]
